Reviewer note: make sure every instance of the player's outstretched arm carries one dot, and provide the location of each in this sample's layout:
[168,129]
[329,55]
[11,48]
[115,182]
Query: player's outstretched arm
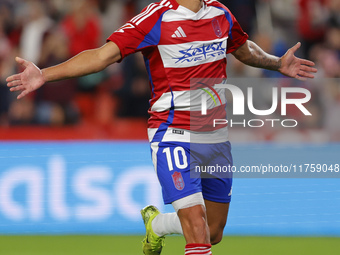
[86,62]
[290,65]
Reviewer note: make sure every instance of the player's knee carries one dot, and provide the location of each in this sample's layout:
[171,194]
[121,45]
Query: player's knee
[216,237]
[199,229]
[195,220]
[216,233]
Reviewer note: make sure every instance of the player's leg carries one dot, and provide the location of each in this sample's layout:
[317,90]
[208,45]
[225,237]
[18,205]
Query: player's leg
[217,214]
[217,190]
[169,223]
[194,224]
[217,193]
[172,165]
[192,221]
[192,214]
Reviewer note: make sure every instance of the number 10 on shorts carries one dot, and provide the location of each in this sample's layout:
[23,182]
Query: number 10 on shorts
[177,154]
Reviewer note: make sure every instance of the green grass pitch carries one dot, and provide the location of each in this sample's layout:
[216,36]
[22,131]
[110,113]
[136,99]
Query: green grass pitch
[131,245]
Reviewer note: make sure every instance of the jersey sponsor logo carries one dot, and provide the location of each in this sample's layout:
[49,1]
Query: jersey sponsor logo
[192,53]
[179,33]
[178,180]
[126,26]
[217,28]
[204,52]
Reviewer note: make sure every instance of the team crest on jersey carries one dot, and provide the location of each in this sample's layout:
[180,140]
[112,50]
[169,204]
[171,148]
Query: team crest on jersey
[217,28]
[178,180]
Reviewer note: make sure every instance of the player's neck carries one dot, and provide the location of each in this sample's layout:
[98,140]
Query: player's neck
[193,5]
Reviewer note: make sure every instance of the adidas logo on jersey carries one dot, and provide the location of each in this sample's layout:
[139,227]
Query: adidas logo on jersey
[179,33]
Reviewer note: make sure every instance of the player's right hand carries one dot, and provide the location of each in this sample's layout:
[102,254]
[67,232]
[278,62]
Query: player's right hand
[29,80]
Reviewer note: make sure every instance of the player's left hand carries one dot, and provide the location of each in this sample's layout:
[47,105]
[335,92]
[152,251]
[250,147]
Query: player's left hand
[29,80]
[295,67]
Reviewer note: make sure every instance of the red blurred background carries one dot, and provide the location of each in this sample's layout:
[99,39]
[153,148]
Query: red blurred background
[113,104]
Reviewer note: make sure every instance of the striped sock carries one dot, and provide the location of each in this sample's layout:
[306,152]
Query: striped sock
[198,249]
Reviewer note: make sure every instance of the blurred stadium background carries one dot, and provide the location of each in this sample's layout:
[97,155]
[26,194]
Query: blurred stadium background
[75,167]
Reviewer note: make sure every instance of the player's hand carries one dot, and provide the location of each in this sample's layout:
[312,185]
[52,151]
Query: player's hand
[294,67]
[29,80]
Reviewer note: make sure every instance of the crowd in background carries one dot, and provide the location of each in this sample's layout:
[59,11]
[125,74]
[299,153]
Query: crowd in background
[51,31]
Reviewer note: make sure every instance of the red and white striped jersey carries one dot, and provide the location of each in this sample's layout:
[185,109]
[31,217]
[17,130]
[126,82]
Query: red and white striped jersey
[179,45]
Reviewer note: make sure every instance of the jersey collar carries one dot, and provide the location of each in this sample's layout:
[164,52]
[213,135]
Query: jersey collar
[175,5]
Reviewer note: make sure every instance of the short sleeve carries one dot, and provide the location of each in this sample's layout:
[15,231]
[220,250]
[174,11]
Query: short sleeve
[127,38]
[237,37]
[140,32]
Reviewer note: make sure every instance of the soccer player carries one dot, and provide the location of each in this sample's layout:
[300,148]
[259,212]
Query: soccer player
[180,40]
